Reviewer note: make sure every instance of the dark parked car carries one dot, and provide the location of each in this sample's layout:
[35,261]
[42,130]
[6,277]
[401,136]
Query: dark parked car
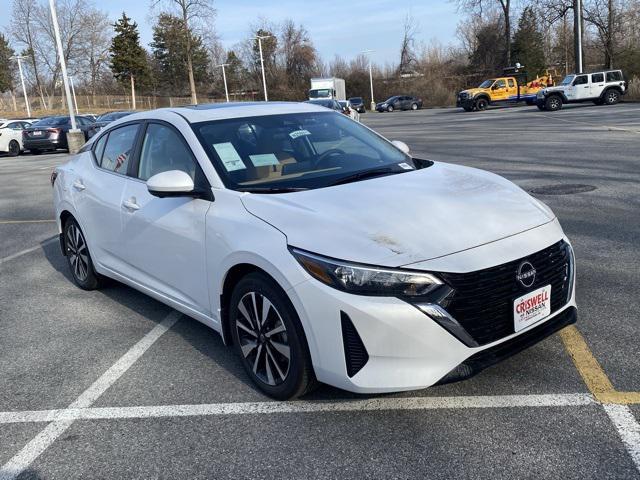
[51,133]
[399,102]
[106,119]
[358,104]
[329,103]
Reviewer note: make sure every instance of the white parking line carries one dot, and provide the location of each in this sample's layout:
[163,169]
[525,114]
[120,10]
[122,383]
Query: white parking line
[301,406]
[628,429]
[28,250]
[15,466]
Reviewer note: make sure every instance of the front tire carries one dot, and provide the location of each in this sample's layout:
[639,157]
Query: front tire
[14,148]
[268,336]
[390,108]
[79,258]
[414,106]
[611,97]
[553,103]
[482,104]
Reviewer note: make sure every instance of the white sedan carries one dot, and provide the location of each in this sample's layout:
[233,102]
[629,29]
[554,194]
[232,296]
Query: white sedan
[11,136]
[317,248]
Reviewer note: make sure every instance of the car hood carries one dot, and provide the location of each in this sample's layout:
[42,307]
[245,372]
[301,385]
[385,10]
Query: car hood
[403,218]
[553,89]
[474,91]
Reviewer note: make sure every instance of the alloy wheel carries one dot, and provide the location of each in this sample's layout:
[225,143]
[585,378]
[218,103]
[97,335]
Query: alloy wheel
[14,148]
[612,97]
[77,252]
[263,338]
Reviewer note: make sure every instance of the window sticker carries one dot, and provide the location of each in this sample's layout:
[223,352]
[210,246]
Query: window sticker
[264,159]
[299,133]
[229,156]
[406,166]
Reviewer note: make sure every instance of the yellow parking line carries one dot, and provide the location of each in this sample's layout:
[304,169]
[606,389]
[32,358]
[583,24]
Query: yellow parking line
[10,222]
[591,372]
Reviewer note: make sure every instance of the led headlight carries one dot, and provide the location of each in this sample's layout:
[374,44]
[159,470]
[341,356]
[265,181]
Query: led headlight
[365,279]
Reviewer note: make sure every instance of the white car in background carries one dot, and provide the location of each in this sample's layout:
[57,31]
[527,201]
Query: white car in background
[11,136]
[316,247]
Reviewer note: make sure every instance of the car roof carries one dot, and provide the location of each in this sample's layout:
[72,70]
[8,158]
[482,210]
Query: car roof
[221,111]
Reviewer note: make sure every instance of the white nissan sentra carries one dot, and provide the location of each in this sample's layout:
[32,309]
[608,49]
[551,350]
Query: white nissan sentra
[318,249]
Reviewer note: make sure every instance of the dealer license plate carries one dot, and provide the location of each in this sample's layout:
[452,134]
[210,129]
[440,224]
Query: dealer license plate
[531,308]
[37,133]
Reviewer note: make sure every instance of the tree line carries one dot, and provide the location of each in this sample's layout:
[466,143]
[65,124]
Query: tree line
[185,55]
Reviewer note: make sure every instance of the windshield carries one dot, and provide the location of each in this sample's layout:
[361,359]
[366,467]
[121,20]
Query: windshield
[322,103]
[487,83]
[391,99]
[567,80]
[51,121]
[320,93]
[295,151]
[355,99]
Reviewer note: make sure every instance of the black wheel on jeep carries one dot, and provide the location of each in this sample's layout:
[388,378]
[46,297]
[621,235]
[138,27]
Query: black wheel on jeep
[482,104]
[553,103]
[611,97]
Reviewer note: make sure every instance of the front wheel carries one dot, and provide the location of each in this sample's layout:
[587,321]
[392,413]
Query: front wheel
[14,148]
[612,97]
[390,108]
[553,103]
[481,104]
[79,258]
[269,338]
[414,106]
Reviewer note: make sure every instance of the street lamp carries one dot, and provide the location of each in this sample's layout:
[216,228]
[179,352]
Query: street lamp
[19,58]
[368,54]
[224,77]
[577,33]
[264,81]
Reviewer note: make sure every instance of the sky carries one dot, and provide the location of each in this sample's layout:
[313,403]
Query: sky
[344,27]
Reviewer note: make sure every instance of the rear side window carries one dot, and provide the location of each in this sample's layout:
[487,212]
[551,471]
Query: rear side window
[614,76]
[511,83]
[581,80]
[119,148]
[597,77]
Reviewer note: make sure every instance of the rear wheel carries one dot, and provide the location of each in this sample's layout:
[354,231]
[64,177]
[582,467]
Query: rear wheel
[414,106]
[553,103]
[611,97]
[14,148]
[268,336]
[482,104]
[79,258]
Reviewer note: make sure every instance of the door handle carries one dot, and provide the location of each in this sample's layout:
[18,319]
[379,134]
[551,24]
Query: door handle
[131,205]
[78,185]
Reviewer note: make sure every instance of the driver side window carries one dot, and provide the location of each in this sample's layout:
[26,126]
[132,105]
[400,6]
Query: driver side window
[163,149]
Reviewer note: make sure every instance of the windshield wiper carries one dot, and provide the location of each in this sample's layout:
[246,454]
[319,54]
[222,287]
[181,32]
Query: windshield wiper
[271,189]
[376,172]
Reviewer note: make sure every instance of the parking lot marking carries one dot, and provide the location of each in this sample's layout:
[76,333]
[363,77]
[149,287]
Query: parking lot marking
[16,465]
[301,406]
[28,250]
[628,429]
[11,222]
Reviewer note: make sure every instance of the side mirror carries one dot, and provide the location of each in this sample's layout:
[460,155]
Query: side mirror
[403,147]
[172,183]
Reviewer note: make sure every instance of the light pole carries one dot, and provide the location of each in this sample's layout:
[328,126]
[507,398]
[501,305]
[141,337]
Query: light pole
[264,81]
[224,77]
[577,32]
[73,92]
[368,54]
[19,58]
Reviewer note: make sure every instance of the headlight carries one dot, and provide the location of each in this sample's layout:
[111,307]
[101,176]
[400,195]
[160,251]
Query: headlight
[366,280]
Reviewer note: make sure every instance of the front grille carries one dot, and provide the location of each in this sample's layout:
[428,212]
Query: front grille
[483,300]
[355,353]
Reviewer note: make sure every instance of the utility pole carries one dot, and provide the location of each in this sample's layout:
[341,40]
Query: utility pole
[24,90]
[577,33]
[75,137]
[368,53]
[224,78]
[264,81]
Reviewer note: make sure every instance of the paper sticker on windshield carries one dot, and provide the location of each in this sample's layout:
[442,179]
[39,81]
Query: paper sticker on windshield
[230,158]
[264,159]
[299,133]
[406,166]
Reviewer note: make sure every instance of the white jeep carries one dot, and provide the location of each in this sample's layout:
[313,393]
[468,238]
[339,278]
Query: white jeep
[602,88]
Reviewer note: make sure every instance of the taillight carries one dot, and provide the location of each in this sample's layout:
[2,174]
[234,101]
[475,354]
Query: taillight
[54,130]
[54,175]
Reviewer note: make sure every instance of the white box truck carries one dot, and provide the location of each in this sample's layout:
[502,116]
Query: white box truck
[327,88]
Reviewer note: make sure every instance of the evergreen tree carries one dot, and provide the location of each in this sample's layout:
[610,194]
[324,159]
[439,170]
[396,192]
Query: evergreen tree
[169,46]
[528,43]
[6,68]
[235,71]
[128,58]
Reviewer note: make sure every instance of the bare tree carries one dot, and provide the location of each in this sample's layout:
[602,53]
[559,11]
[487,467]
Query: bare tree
[603,15]
[407,48]
[190,11]
[96,39]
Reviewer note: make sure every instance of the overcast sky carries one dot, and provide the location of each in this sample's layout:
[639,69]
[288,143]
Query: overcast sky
[343,27]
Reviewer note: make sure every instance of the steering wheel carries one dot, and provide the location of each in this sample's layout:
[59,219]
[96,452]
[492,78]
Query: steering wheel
[323,156]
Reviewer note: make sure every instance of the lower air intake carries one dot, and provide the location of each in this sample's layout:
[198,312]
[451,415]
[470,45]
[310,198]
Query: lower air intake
[355,354]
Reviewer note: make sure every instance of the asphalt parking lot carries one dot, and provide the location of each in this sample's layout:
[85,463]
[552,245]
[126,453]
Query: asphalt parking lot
[112,384]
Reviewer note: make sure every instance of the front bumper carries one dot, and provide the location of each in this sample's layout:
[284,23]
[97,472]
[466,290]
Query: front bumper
[464,102]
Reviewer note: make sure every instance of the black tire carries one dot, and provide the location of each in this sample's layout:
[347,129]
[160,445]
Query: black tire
[14,148]
[79,258]
[390,108]
[264,359]
[553,103]
[482,104]
[414,106]
[611,97]
[35,151]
